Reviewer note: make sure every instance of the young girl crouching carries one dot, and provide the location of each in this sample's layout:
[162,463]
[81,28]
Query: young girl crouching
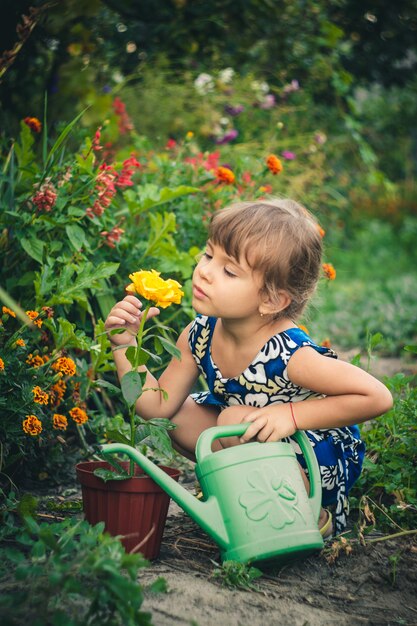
[260,267]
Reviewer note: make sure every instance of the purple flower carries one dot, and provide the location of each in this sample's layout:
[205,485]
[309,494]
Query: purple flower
[268,102]
[227,137]
[234,110]
[320,138]
[294,85]
[290,156]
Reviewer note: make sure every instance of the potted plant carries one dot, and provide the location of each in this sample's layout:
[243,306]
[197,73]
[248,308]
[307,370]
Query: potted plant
[117,492]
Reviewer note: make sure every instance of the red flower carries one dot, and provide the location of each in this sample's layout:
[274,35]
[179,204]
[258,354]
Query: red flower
[96,141]
[124,178]
[113,236]
[33,123]
[125,123]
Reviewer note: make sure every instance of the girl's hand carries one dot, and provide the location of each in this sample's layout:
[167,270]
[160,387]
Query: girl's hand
[126,314]
[271,423]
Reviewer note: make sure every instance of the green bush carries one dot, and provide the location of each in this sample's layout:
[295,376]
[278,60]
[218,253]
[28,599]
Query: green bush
[389,477]
[67,573]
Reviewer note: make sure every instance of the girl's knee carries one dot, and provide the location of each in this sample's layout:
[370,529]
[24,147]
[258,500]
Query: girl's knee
[232,415]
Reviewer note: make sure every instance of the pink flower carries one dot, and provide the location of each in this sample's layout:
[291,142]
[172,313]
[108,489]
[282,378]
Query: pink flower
[106,189]
[113,236]
[45,198]
[268,102]
[290,156]
[294,85]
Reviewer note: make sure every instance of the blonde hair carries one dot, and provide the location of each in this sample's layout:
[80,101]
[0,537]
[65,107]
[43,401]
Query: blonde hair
[278,238]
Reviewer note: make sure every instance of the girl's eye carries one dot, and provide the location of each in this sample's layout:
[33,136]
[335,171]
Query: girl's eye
[206,255]
[228,273]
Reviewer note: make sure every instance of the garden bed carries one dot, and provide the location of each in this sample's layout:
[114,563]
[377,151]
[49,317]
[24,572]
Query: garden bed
[351,583]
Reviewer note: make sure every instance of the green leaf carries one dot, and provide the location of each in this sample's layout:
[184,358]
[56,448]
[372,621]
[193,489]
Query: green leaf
[116,435]
[68,336]
[76,236]
[109,386]
[63,136]
[159,586]
[151,196]
[131,385]
[131,355]
[33,247]
[170,348]
[106,474]
[410,348]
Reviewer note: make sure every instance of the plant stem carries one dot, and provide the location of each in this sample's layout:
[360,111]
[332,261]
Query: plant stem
[139,338]
[393,536]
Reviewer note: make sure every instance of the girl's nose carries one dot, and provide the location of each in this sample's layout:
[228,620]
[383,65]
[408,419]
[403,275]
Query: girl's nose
[204,270]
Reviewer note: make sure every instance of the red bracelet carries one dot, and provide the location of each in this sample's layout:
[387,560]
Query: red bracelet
[292,415]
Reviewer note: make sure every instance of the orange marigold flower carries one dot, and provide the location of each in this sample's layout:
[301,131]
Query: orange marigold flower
[39,396]
[33,123]
[7,311]
[20,342]
[322,232]
[329,271]
[34,315]
[78,415]
[60,422]
[56,392]
[274,164]
[326,343]
[304,328]
[36,360]
[1,365]
[65,365]
[32,426]
[225,175]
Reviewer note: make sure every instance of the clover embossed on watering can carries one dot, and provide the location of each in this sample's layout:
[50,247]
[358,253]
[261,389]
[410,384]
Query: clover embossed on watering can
[255,505]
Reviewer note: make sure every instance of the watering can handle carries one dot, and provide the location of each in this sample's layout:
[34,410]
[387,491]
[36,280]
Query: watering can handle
[205,441]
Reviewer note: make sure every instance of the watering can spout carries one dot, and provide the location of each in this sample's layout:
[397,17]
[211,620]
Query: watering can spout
[206,514]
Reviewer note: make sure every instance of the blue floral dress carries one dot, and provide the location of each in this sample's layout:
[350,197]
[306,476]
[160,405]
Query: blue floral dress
[339,451]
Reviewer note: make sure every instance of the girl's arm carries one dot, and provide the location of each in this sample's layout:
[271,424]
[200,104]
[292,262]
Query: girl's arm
[352,396]
[178,378]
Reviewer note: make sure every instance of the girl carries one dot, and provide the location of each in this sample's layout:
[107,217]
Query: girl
[260,267]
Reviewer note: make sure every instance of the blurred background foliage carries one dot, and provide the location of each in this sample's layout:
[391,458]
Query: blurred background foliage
[140,103]
[330,87]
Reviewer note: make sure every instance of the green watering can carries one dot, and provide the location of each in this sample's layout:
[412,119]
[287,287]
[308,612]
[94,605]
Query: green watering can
[255,504]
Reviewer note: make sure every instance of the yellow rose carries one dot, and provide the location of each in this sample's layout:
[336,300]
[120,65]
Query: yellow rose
[151,286]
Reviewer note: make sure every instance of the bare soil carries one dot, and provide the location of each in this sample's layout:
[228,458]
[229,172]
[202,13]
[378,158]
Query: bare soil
[375,584]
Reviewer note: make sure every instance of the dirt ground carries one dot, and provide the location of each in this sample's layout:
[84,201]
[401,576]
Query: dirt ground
[374,585]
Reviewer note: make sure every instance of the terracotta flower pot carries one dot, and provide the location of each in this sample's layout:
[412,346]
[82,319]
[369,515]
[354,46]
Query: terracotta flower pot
[135,508]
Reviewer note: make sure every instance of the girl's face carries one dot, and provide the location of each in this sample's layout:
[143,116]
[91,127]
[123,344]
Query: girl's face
[224,287]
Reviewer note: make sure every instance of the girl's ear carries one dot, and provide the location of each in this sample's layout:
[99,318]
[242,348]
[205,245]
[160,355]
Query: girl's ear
[271,305]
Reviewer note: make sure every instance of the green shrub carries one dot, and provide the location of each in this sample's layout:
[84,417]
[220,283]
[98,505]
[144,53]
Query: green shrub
[67,573]
[389,477]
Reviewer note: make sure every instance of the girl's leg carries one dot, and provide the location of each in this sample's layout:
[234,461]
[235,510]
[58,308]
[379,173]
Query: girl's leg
[191,420]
